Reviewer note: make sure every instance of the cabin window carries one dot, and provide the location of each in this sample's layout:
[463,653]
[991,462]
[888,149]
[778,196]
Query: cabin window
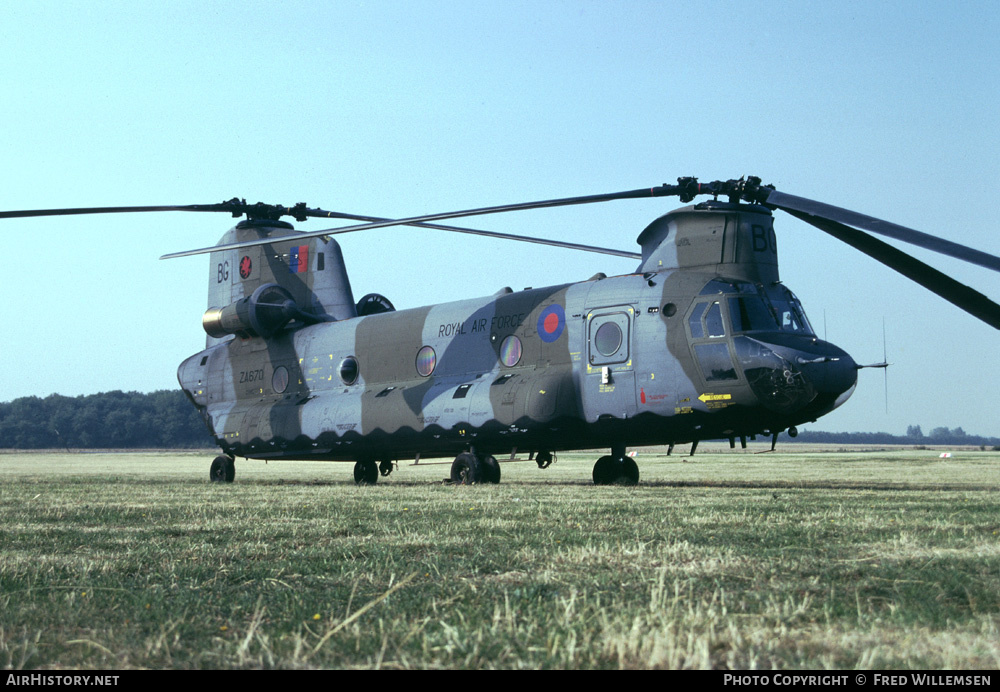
[426,360]
[279,381]
[608,339]
[510,351]
[349,370]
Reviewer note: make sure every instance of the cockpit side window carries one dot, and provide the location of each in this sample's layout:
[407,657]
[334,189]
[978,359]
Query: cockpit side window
[694,322]
[706,321]
[713,321]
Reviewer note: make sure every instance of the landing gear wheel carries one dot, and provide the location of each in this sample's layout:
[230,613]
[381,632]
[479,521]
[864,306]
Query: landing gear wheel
[630,472]
[385,467]
[366,472]
[604,471]
[490,469]
[544,459]
[609,471]
[223,470]
[466,469]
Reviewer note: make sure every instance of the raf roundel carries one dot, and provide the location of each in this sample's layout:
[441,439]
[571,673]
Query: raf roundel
[551,323]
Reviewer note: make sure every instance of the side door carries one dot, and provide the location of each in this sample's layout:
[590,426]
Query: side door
[609,380]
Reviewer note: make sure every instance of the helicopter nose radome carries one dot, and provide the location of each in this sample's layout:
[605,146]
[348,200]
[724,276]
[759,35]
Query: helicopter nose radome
[834,374]
[830,372]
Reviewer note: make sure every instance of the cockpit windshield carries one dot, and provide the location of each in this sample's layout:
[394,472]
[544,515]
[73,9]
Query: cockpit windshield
[788,310]
[755,308]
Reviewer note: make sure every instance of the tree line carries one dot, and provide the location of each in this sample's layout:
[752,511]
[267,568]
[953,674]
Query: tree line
[109,420]
[914,436]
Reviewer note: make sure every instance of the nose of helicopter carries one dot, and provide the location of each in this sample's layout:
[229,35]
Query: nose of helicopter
[801,377]
[832,372]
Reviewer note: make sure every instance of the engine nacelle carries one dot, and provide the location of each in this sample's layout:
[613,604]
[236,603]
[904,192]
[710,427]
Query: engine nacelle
[264,313]
[374,304]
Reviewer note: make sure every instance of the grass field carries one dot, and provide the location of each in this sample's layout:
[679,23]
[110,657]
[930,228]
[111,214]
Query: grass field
[868,559]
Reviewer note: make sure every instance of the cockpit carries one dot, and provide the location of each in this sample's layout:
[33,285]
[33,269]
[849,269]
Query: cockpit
[759,334]
[752,308]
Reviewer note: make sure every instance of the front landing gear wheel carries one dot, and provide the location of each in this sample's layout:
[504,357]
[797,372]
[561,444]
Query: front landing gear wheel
[466,469]
[223,469]
[609,471]
[544,459]
[385,467]
[366,472]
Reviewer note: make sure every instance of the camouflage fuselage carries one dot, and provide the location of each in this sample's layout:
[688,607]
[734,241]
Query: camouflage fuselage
[662,356]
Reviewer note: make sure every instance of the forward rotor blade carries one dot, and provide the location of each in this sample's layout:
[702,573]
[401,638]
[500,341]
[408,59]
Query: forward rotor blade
[960,295]
[661,191]
[793,204]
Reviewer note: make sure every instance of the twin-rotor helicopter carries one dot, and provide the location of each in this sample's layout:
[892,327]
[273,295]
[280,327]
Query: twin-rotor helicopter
[701,341]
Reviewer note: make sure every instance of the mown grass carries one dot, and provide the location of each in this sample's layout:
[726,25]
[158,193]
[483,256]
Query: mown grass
[840,560]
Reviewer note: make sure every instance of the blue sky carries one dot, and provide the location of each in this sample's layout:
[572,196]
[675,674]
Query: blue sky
[404,108]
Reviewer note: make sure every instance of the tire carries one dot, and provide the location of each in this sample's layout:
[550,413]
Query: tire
[223,470]
[544,459]
[490,468]
[629,472]
[366,472]
[604,471]
[466,469]
[611,471]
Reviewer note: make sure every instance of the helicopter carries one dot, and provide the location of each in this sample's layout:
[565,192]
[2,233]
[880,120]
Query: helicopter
[701,341]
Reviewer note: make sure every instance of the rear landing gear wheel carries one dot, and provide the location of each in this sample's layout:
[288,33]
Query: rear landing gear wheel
[609,471]
[366,472]
[466,469]
[630,472]
[385,467]
[223,469]
[490,469]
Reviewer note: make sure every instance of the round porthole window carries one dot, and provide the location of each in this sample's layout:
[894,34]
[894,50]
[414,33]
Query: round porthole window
[608,339]
[510,351]
[349,370]
[426,360]
[279,381]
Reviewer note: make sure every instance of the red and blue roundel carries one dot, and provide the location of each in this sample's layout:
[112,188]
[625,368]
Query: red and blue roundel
[551,323]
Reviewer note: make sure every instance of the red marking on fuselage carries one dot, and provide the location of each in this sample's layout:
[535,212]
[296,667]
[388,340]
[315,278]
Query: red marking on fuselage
[551,323]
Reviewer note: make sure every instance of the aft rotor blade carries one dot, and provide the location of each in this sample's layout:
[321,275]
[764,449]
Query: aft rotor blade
[111,210]
[661,191]
[495,234]
[960,295]
[793,204]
